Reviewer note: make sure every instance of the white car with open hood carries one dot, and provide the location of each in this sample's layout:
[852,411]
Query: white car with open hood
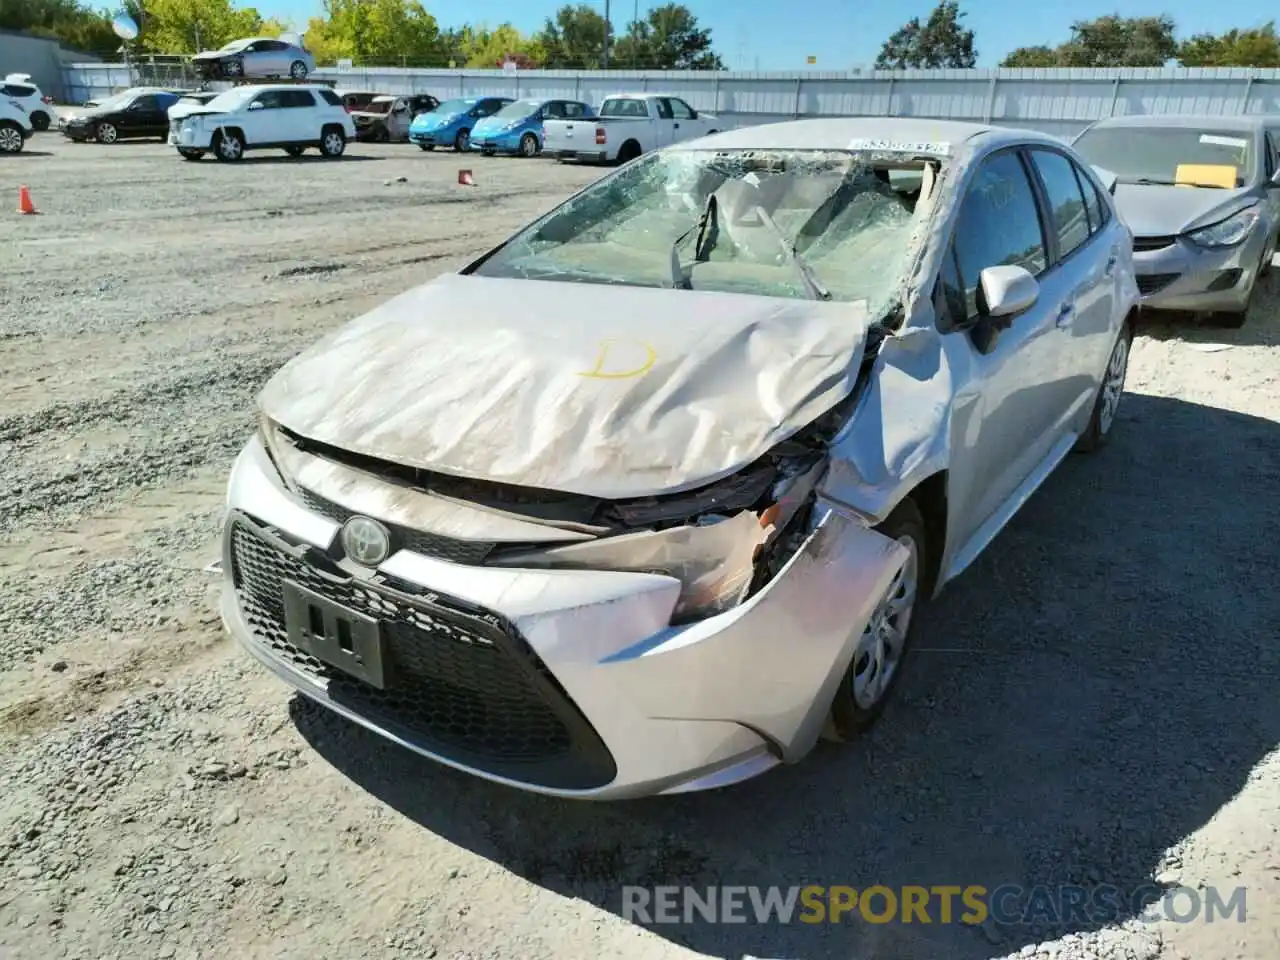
[660,515]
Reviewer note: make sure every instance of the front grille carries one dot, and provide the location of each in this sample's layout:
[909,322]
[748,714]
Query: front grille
[1152,243]
[471,552]
[1149,283]
[462,682]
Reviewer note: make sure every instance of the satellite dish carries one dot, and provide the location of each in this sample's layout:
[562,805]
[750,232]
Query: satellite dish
[124,26]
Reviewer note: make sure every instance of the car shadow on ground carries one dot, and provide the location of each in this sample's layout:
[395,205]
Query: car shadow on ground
[1092,691]
[31,153]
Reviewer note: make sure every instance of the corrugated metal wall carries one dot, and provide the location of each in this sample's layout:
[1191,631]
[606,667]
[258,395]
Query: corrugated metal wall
[1057,101]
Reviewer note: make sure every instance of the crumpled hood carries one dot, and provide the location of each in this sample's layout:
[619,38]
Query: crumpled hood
[1157,211]
[180,111]
[607,391]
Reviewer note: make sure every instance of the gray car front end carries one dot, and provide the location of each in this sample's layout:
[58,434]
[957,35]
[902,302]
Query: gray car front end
[629,530]
[1200,195]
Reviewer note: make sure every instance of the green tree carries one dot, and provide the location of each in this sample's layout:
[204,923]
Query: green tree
[68,21]
[1110,41]
[940,41]
[574,38]
[483,48]
[376,32]
[1032,57]
[668,38]
[1259,47]
[189,26]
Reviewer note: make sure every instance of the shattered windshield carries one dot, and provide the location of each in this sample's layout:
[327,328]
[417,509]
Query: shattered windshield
[816,224]
[1169,155]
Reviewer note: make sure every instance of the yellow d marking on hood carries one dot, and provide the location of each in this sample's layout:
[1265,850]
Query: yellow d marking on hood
[601,370]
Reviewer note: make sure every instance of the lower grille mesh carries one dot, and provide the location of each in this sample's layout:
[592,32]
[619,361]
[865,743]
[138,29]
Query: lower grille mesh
[460,685]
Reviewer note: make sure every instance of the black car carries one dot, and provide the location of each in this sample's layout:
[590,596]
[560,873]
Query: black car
[131,115]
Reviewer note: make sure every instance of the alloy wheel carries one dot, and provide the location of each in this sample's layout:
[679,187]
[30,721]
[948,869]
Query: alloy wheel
[10,139]
[1113,384]
[230,147]
[107,133]
[878,652]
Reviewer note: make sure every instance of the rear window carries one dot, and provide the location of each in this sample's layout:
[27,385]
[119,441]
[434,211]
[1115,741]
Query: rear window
[624,108]
[329,97]
[18,90]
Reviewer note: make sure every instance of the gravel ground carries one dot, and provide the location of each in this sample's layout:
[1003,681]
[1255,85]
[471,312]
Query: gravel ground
[1097,703]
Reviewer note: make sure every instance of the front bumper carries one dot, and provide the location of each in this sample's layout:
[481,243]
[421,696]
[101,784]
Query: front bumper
[1173,273]
[505,142]
[431,138]
[568,683]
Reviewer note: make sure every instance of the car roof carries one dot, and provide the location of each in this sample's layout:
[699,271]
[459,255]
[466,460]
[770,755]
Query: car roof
[837,133]
[1193,121]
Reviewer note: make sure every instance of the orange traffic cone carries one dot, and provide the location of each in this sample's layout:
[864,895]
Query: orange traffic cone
[25,206]
[465,179]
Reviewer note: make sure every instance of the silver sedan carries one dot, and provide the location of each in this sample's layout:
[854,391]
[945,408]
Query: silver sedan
[256,58]
[661,513]
[1202,196]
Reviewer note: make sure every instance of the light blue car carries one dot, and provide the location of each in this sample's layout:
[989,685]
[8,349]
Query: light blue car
[450,124]
[517,127]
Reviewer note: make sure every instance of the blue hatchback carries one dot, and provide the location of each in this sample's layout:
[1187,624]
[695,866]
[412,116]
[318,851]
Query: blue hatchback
[450,124]
[517,127]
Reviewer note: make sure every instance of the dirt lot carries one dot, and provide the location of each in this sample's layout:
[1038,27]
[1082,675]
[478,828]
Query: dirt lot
[1098,702]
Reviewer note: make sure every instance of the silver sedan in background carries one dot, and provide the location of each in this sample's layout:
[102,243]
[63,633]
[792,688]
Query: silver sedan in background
[255,58]
[1202,197]
[661,513]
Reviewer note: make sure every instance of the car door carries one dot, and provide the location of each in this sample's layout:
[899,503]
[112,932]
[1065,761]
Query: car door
[662,121]
[686,123]
[260,60]
[1081,275]
[264,119]
[1271,163]
[1005,413]
[298,112]
[141,117]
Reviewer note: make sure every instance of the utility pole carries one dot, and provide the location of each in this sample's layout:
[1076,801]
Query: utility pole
[607,29]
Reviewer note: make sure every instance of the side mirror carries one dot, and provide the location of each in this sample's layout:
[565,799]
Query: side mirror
[1275,179]
[1108,179]
[256,105]
[1008,290]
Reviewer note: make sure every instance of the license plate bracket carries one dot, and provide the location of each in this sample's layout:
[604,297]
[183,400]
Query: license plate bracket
[339,636]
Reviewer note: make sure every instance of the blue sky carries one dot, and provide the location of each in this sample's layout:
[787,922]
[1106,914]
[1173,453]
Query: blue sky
[750,34]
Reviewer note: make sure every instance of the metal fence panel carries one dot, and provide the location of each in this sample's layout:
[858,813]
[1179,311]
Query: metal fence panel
[1057,101]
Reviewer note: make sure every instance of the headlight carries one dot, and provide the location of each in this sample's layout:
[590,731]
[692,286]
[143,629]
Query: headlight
[274,440]
[1228,232]
[711,557]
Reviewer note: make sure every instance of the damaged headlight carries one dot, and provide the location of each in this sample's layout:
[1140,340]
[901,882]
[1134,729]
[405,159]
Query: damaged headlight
[274,441]
[717,557]
[712,557]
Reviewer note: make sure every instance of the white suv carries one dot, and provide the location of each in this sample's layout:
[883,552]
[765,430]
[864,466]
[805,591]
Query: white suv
[18,86]
[15,126]
[289,117]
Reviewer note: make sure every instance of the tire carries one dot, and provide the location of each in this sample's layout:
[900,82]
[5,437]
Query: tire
[427,146]
[298,70]
[106,133]
[462,141]
[40,121]
[233,67]
[12,137]
[1110,390]
[865,688]
[333,143]
[529,146]
[628,152]
[190,154]
[228,146]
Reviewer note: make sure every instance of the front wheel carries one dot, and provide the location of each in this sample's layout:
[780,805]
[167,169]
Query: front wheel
[106,133]
[528,145]
[462,141]
[1110,391]
[298,70]
[233,67]
[333,142]
[879,651]
[12,139]
[228,146]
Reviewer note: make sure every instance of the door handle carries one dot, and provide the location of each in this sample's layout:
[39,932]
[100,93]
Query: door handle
[1111,264]
[1065,313]
[676,126]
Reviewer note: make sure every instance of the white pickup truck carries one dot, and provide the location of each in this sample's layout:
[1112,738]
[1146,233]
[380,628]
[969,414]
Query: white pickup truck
[626,126]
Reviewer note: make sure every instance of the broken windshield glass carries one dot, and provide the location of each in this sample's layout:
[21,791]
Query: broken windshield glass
[801,224]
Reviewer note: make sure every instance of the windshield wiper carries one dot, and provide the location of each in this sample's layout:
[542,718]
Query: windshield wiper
[707,228]
[811,283]
[1147,181]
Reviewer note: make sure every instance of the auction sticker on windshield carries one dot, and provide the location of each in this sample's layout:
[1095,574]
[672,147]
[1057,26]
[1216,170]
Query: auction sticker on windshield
[1220,141]
[900,146]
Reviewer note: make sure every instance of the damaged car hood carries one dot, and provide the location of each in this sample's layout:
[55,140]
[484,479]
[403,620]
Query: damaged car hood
[603,390]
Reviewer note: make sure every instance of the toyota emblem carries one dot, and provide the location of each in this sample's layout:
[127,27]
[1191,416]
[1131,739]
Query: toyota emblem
[366,541]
